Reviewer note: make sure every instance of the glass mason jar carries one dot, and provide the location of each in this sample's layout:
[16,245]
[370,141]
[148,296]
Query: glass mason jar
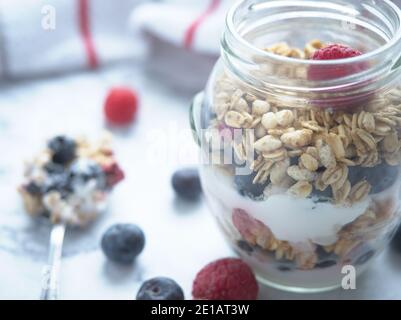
[301,157]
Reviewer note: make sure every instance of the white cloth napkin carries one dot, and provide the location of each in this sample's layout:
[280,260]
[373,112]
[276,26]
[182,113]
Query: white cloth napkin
[182,38]
[86,34]
[190,24]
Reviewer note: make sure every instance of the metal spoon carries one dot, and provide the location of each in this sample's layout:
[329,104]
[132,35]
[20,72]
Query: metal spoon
[51,273]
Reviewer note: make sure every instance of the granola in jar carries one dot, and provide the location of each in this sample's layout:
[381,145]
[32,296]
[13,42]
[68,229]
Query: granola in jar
[301,160]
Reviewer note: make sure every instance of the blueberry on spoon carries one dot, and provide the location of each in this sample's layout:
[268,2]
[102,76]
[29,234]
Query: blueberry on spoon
[63,149]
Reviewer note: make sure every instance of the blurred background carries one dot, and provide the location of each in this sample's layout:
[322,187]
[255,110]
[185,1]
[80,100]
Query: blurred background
[178,39]
[58,61]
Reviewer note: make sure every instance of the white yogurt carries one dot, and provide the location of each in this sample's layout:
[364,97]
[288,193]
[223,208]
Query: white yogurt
[290,219]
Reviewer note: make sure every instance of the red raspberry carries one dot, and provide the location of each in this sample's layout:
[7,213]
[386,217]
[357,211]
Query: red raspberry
[225,279]
[121,106]
[114,174]
[330,72]
[249,228]
[334,52]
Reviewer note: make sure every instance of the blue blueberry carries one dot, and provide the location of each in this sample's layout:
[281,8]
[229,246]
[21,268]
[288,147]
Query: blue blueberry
[284,264]
[322,254]
[284,268]
[186,184]
[245,246]
[294,161]
[122,243]
[325,264]
[33,189]
[326,259]
[246,187]
[160,288]
[83,170]
[54,168]
[63,149]
[380,177]
[60,183]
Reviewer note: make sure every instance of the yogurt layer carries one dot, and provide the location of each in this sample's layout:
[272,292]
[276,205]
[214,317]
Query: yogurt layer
[290,219]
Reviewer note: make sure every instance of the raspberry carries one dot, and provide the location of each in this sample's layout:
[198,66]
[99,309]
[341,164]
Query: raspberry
[121,106]
[330,72]
[225,279]
[114,174]
[249,228]
[334,52]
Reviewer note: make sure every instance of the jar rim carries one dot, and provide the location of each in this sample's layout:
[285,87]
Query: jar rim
[396,39]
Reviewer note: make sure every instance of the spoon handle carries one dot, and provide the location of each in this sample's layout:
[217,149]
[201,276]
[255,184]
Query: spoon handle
[52,269]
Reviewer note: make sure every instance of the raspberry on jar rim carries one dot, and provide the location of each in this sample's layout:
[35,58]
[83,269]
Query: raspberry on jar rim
[330,72]
[335,51]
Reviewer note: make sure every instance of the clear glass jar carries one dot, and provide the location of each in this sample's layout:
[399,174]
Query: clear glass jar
[301,157]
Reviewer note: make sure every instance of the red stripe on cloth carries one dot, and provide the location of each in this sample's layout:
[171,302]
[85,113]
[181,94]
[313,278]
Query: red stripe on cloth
[194,26]
[84,27]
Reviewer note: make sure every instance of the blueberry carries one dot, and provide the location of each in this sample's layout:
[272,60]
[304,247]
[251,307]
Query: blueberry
[326,264]
[82,171]
[63,149]
[322,254]
[186,184]
[245,246]
[160,288]
[284,268]
[33,189]
[294,161]
[54,168]
[326,259]
[60,183]
[284,264]
[365,257]
[122,243]
[246,187]
[380,177]
[396,242]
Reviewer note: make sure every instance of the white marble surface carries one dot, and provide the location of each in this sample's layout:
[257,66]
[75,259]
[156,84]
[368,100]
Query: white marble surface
[181,237]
